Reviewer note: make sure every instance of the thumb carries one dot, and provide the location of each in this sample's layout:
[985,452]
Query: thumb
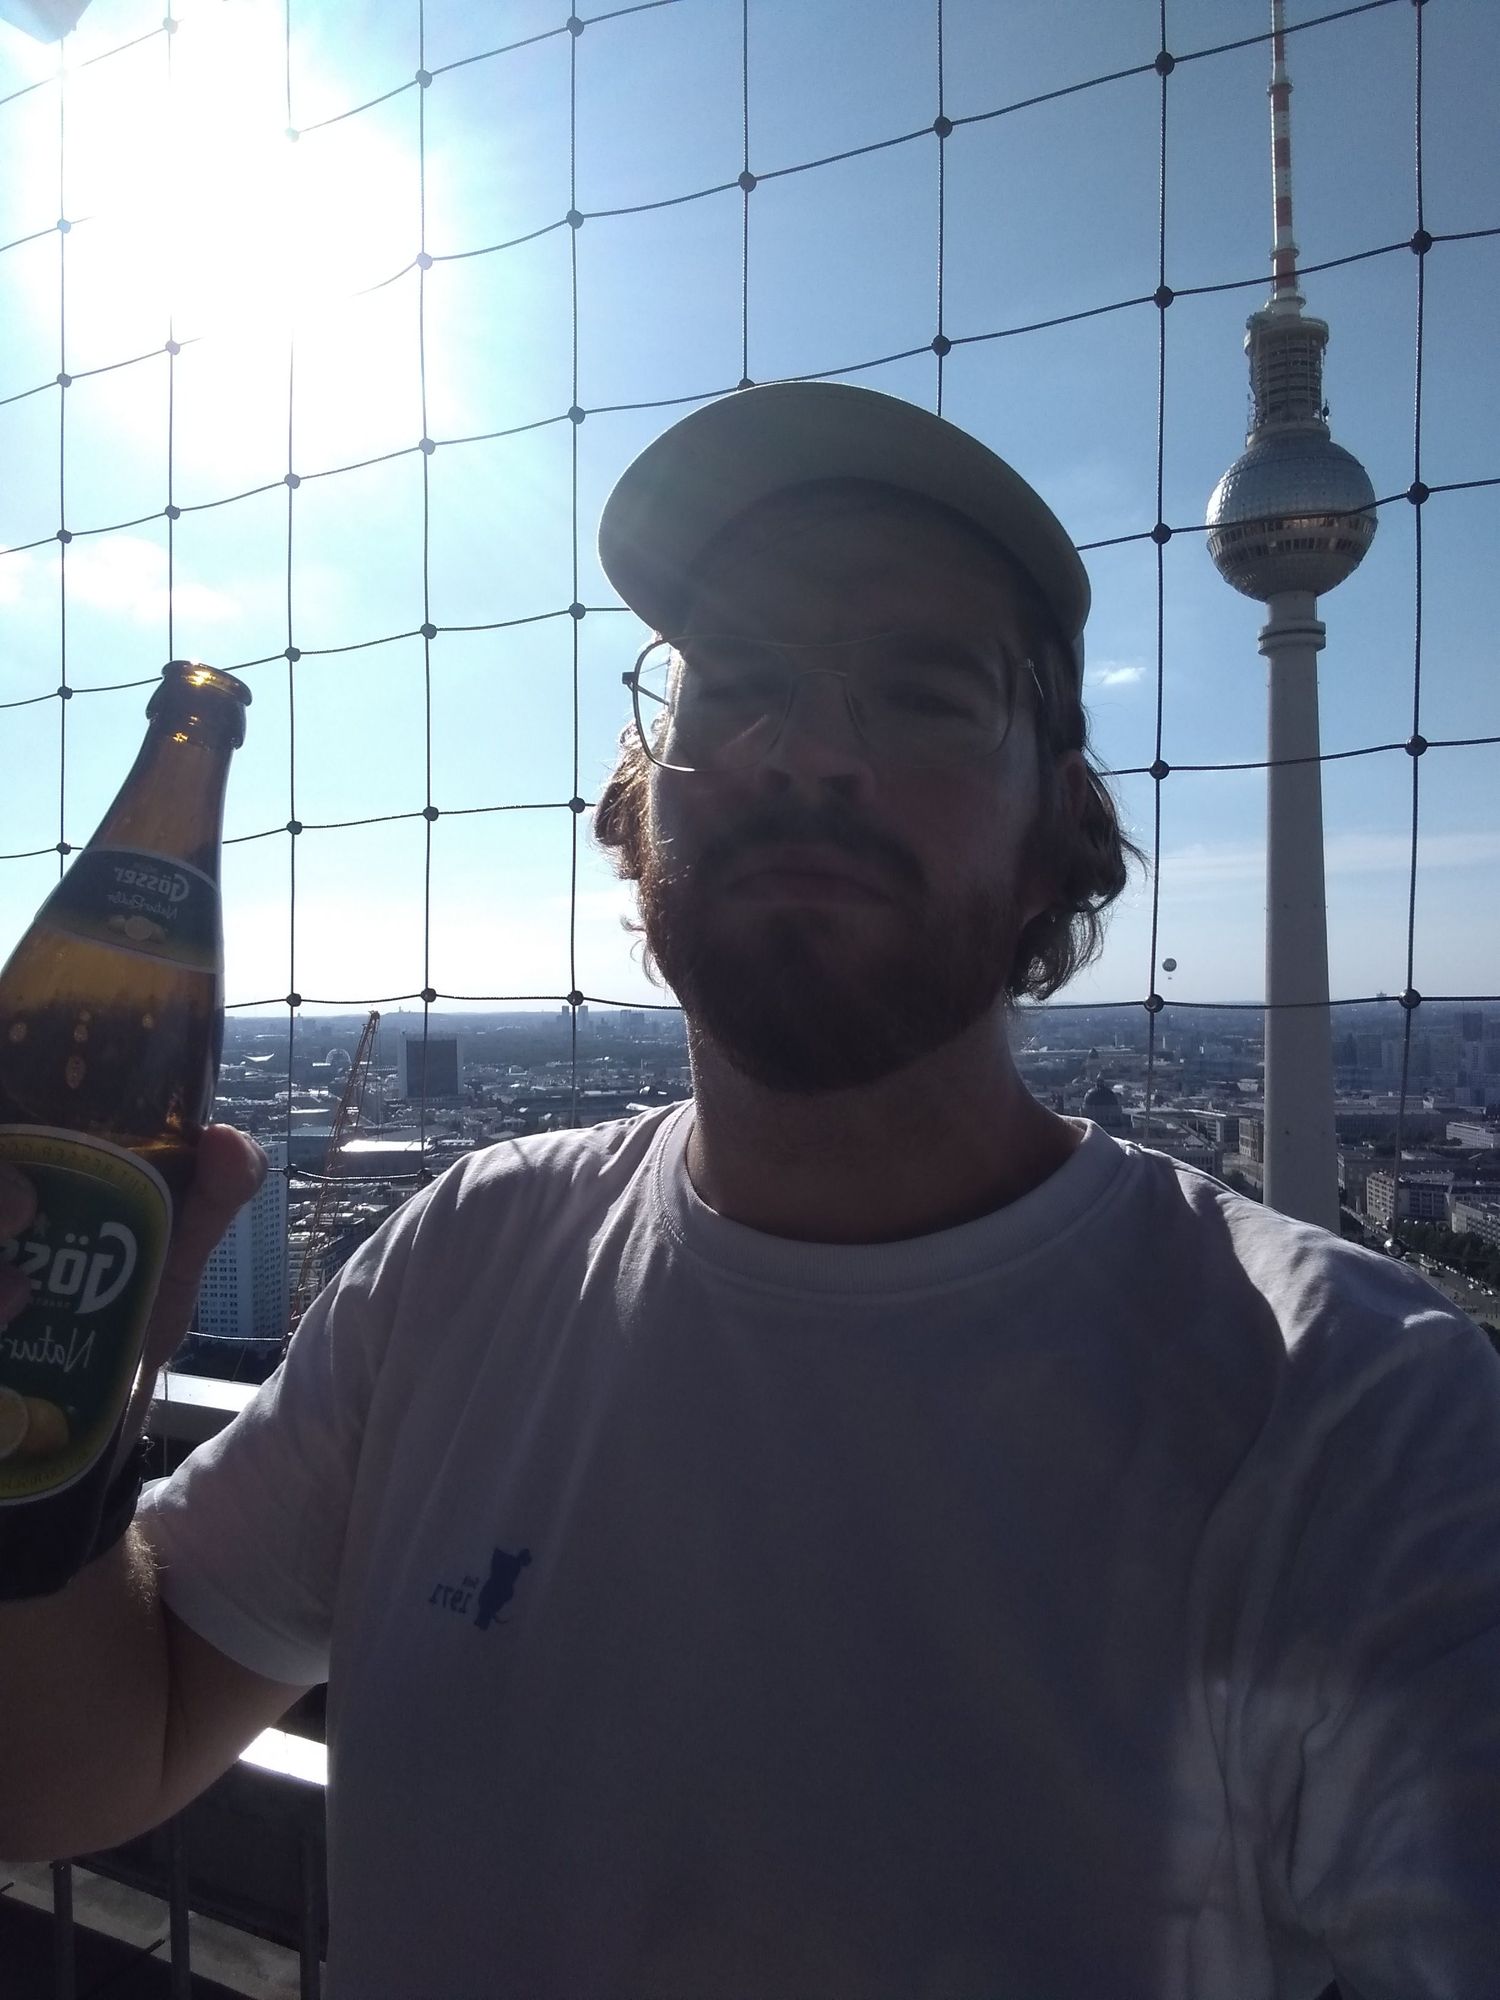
[229,1172]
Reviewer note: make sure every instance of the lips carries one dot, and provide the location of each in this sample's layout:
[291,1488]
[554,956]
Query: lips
[792,864]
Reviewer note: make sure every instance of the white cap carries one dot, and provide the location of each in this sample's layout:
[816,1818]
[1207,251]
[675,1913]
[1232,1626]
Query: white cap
[705,471]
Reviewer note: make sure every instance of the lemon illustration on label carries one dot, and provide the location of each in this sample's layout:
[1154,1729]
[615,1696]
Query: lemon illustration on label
[15,1421]
[46,1429]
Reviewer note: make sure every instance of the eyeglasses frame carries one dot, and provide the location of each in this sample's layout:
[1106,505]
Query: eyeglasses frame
[633,682]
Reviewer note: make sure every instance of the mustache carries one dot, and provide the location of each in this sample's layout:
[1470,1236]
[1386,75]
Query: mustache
[789,825]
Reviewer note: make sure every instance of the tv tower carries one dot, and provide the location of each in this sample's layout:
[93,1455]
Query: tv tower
[1292,517]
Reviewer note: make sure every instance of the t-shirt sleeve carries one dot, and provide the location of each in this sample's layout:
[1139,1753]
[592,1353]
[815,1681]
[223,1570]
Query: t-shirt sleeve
[249,1531]
[1392,1849]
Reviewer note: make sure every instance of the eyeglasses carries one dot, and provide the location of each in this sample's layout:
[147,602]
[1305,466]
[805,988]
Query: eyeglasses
[719,703]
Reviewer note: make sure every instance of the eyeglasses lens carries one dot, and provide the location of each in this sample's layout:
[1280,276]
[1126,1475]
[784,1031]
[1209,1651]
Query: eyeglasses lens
[720,704]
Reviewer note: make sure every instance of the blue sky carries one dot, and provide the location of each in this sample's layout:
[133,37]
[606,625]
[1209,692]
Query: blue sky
[196,202]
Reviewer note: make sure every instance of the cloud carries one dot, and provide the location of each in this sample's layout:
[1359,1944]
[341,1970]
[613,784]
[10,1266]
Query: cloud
[128,574]
[1204,869]
[15,574]
[1115,673]
[1390,853]
[123,574]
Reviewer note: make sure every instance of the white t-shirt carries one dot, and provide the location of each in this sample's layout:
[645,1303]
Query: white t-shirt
[1098,1599]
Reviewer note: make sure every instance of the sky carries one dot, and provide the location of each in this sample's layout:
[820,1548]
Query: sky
[193,212]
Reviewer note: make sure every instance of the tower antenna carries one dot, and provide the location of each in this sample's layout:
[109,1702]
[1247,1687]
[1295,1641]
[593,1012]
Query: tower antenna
[1285,296]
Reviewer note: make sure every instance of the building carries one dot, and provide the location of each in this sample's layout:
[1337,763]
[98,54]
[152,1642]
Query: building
[1178,1137]
[1103,1106]
[246,1291]
[310,1144]
[1376,1118]
[387,1158]
[1220,1128]
[1475,1137]
[1468,1215]
[1356,1163]
[431,1068]
[1424,1196]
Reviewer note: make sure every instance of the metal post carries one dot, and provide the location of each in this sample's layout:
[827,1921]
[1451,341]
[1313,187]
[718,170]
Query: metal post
[64,1968]
[1301,1154]
[177,1909]
[312,1911]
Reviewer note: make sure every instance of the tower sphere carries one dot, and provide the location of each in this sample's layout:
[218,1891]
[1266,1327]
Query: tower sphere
[1294,512]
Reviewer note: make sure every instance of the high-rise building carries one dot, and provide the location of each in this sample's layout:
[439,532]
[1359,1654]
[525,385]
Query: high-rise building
[245,1290]
[430,1068]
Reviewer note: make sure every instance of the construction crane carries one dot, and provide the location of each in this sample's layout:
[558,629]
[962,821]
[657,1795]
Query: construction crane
[345,1121]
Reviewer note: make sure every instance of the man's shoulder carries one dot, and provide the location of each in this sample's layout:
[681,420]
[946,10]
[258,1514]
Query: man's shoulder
[588,1164]
[1312,1279]
[494,1215]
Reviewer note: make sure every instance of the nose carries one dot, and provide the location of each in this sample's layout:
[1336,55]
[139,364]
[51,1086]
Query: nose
[818,739]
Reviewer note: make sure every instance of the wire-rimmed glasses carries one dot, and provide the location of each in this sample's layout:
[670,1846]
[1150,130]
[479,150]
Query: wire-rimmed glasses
[718,702]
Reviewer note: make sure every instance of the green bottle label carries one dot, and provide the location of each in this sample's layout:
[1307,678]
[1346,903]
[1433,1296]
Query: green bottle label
[93,1253]
[139,902]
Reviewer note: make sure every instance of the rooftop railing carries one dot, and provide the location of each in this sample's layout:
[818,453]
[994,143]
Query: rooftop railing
[247,1856]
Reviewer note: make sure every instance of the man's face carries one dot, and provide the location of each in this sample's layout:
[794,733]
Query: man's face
[804,987]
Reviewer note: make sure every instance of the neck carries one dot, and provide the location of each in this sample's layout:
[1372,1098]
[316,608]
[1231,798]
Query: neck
[946,1140]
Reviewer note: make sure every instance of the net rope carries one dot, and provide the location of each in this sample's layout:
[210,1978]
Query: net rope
[1420,244]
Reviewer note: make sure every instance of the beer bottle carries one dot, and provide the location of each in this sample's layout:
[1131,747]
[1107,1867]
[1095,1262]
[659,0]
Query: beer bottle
[111,1029]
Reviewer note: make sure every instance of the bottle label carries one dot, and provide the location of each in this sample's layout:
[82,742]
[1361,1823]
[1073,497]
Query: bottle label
[93,1253]
[139,902]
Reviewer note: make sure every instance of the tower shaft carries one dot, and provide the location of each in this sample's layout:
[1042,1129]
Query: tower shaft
[1301,1156]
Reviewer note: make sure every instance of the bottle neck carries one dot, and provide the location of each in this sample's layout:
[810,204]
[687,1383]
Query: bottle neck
[172,803]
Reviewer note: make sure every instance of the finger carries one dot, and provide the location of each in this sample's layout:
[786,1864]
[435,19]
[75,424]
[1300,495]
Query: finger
[17,1201]
[15,1292]
[17,1207]
[227,1172]
[230,1170]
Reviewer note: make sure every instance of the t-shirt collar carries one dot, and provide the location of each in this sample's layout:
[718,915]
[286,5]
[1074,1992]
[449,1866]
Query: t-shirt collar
[1021,1230]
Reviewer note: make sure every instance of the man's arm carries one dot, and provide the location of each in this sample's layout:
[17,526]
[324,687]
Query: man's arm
[113,1714]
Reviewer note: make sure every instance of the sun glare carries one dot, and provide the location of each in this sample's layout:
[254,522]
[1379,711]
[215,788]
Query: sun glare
[195,212]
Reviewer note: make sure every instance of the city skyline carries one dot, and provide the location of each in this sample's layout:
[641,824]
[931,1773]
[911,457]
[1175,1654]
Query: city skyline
[1074,407]
[1193,1090]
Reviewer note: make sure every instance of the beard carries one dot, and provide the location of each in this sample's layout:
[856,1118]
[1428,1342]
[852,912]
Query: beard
[803,999]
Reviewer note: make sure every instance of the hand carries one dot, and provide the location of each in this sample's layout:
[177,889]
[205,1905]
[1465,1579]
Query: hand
[229,1171]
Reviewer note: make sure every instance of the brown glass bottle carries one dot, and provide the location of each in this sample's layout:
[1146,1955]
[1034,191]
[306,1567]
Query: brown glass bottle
[111,1029]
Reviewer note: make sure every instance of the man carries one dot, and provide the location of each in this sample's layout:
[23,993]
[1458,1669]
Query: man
[853,1533]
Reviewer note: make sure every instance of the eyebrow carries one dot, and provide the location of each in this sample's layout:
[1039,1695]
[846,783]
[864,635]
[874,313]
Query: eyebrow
[947,652]
[941,651]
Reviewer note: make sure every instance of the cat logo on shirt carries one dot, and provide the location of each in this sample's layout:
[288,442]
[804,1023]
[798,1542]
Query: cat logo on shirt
[485,1599]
